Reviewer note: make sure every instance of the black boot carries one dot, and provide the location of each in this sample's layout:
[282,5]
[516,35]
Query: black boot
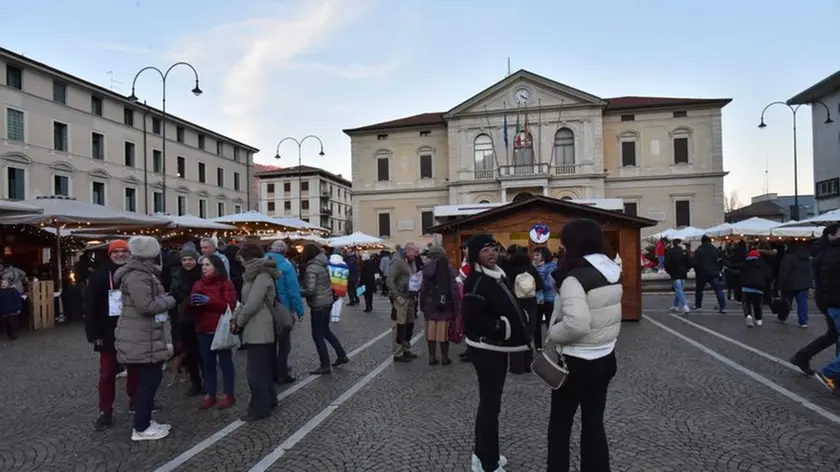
[432,352]
[444,353]
[104,421]
[400,341]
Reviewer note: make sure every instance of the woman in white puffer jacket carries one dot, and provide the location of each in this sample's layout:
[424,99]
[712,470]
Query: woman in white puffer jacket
[584,326]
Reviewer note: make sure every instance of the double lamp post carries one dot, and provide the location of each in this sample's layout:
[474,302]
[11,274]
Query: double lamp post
[299,143]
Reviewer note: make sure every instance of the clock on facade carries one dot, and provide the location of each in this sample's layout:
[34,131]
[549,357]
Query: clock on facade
[521,96]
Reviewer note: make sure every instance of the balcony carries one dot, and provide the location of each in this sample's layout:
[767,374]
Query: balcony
[524,170]
[572,169]
[537,170]
[325,210]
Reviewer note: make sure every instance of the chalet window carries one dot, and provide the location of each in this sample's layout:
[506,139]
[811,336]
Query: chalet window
[681,150]
[383,169]
[628,153]
[682,213]
[384,224]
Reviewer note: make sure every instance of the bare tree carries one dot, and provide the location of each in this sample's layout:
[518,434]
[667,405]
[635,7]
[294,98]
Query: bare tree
[732,202]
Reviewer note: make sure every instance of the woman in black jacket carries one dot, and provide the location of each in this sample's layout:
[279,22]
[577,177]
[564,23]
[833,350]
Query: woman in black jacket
[525,288]
[495,326]
[367,279]
[183,320]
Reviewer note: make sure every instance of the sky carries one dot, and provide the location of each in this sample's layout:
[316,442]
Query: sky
[276,68]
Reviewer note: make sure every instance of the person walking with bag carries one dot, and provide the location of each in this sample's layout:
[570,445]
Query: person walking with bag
[584,328]
[318,291]
[796,278]
[256,322]
[288,291]
[211,297]
[142,338]
[494,326]
[439,302]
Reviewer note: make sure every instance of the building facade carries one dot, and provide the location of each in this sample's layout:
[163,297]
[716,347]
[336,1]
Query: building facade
[824,98]
[64,136]
[529,135]
[314,195]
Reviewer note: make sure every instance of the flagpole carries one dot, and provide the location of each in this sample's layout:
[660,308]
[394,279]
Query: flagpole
[539,123]
[505,131]
[553,148]
[492,138]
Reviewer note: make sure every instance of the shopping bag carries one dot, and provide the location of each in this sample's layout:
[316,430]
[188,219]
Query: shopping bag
[115,299]
[361,290]
[335,312]
[224,339]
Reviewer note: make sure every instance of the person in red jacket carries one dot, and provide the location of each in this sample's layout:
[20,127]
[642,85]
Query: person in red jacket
[659,251]
[210,298]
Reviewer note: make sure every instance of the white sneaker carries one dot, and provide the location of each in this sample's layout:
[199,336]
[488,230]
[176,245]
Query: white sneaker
[152,433]
[750,321]
[165,426]
[673,309]
[476,464]
[686,310]
[759,322]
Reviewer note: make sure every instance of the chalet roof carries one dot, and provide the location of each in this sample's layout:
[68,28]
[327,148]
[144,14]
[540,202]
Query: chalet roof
[563,206]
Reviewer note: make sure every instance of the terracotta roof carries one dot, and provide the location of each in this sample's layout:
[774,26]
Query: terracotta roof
[630,103]
[817,91]
[423,119]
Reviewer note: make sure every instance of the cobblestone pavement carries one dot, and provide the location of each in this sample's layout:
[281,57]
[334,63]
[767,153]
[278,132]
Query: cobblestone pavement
[673,407]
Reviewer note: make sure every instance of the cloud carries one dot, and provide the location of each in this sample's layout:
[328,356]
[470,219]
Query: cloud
[119,47]
[352,71]
[260,47]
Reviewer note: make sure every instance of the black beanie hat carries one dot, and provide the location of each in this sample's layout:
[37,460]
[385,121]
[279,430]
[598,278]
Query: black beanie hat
[476,244]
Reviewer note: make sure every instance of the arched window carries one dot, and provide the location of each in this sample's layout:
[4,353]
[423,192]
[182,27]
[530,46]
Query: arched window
[483,156]
[483,202]
[522,197]
[564,147]
[523,151]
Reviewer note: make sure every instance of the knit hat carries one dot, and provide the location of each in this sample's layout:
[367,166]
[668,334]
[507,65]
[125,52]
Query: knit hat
[117,245]
[754,253]
[476,244]
[279,246]
[144,247]
[250,251]
[189,251]
[436,251]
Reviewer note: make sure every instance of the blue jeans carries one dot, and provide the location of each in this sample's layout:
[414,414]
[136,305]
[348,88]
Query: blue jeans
[679,296]
[700,283]
[661,260]
[801,298]
[148,381]
[832,369]
[321,332]
[209,359]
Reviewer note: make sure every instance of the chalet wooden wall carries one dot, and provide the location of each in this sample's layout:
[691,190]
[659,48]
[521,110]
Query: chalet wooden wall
[629,245]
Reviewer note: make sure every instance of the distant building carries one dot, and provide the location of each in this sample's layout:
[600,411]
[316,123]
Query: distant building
[314,195]
[826,139]
[773,207]
[255,183]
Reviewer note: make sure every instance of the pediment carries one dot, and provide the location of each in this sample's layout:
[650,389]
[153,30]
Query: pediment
[100,174]
[238,200]
[221,196]
[157,185]
[544,93]
[17,157]
[203,193]
[62,166]
[182,189]
[132,180]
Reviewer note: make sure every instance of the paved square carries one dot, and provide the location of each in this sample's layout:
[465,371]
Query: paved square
[693,393]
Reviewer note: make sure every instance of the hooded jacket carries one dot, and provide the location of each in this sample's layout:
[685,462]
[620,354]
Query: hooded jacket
[286,284]
[587,312]
[796,272]
[258,291]
[317,288]
[439,290]
[141,337]
[98,325]
[755,273]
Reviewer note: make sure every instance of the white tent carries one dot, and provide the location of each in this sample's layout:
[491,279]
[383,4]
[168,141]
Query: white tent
[797,231]
[825,219]
[298,223]
[356,239]
[194,222]
[750,227]
[58,211]
[255,221]
[688,233]
[9,208]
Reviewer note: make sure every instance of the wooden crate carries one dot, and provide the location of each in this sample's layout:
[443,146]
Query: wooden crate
[41,304]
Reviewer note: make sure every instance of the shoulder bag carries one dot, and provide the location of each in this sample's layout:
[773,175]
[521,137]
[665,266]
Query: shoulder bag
[548,364]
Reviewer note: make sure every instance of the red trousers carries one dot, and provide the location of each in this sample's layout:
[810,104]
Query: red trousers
[108,379]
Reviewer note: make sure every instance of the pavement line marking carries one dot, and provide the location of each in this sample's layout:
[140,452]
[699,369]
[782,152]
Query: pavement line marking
[222,433]
[743,346]
[301,433]
[749,373]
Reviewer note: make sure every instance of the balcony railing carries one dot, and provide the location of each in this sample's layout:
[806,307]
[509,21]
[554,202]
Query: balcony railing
[542,169]
[523,170]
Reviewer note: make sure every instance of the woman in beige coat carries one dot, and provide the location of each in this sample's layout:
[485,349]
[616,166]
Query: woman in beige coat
[254,320]
[143,337]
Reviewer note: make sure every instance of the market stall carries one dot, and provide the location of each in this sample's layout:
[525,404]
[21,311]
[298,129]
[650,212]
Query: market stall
[359,241]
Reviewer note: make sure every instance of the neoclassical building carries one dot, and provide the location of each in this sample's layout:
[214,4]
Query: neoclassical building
[529,135]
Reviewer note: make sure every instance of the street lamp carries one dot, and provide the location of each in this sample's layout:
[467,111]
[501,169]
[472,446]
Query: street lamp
[300,163]
[163,76]
[794,109]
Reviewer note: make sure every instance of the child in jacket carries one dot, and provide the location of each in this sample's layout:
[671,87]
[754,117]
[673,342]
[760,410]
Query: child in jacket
[755,280]
[11,304]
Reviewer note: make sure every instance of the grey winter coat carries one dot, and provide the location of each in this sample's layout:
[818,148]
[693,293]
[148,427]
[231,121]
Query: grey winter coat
[399,274]
[258,291]
[317,288]
[139,337]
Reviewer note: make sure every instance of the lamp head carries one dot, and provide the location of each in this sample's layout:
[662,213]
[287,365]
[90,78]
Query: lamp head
[132,97]
[322,152]
[828,120]
[762,125]
[197,90]
[277,156]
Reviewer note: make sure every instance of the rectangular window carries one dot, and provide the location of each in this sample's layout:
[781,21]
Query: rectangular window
[220,209]
[236,181]
[287,187]
[382,169]
[98,193]
[130,199]
[287,205]
[236,154]
[384,224]
[202,172]
[130,158]
[680,150]
[14,77]
[157,202]
[220,177]
[128,116]
[220,148]
[426,166]
[628,117]
[61,185]
[156,125]
[157,162]
[97,146]
[202,208]
[271,207]
[680,114]
[827,188]
[59,92]
[96,105]
[427,220]
[381,137]
[179,134]
[304,186]
[304,205]
[201,143]
[182,167]
[182,205]
[628,153]
[237,209]
[631,208]
[14,125]
[424,134]
[269,188]
[16,183]
[59,136]
[682,212]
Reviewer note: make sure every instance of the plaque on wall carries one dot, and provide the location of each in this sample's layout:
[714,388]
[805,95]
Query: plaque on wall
[657,215]
[405,225]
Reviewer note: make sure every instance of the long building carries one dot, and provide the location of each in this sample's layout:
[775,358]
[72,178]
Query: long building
[62,135]
[662,156]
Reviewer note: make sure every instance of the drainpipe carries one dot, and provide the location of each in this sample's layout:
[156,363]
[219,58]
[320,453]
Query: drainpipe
[145,160]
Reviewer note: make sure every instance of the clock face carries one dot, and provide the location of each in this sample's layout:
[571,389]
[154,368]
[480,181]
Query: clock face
[521,96]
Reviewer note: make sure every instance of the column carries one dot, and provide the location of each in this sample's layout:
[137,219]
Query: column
[504,195]
[545,190]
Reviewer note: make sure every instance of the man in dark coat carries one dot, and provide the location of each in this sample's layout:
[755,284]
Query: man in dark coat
[101,315]
[707,266]
[677,265]
[828,299]
[352,261]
